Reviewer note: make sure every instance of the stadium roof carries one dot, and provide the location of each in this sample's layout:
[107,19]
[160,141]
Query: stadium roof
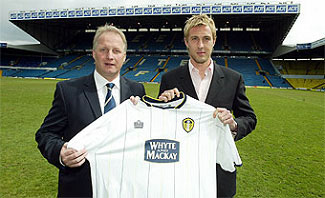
[314,50]
[53,28]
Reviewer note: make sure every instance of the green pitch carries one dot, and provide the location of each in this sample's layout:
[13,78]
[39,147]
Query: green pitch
[283,157]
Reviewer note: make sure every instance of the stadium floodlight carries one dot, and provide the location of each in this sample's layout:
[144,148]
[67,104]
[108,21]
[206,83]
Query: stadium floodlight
[143,30]
[322,59]
[177,29]
[165,29]
[237,29]
[226,29]
[250,29]
[154,29]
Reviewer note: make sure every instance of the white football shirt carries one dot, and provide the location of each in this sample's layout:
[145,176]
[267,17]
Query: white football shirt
[157,150]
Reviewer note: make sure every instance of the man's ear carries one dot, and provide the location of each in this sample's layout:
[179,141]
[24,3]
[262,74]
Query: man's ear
[185,41]
[214,40]
[124,57]
[93,53]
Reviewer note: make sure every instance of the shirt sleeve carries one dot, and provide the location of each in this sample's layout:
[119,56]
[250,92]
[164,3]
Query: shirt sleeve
[227,153]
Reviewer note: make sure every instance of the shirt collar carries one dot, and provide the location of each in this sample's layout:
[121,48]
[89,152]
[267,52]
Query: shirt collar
[101,82]
[192,68]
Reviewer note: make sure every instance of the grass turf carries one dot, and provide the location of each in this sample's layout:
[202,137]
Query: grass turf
[283,157]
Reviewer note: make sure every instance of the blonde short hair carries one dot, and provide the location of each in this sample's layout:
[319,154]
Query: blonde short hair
[108,28]
[197,20]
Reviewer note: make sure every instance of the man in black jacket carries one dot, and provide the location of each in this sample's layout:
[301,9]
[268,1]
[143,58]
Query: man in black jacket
[213,84]
[79,102]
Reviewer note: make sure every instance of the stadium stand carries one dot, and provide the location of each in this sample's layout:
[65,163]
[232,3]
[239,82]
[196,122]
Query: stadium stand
[25,61]
[245,42]
[303,65]
[304,73]
[239,41]
[178,41]
[143,68]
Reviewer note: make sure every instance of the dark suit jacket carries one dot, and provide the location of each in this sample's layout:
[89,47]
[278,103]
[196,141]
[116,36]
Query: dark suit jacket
[226,90]
[75,106]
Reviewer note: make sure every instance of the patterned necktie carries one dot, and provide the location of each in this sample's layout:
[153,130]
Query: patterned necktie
[109,100]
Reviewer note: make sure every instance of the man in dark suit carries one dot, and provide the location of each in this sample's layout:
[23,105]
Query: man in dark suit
[213,84]
[79,102]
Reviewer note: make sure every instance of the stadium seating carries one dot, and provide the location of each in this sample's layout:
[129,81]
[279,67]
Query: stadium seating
[239,41]
[10,72]
[82,41]
[247,67]
[146,68]
[270,72]
[25,61]
[173,41]
[307,83]
[178,41]
[158,41]
[54,74]
[150,68]
[150,54]
[304,68]
[31,73]
[259,42]
[5,60]
[79,66]
[76,73]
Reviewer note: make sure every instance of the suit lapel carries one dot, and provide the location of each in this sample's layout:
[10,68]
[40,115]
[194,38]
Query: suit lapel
[186,83]
[215,85]
[90,91]
[125,89]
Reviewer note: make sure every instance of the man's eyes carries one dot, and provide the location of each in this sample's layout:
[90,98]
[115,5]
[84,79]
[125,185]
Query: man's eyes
[107,50]
[205,39]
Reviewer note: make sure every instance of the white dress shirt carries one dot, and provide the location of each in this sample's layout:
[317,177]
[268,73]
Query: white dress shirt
[201,85]
[101,82]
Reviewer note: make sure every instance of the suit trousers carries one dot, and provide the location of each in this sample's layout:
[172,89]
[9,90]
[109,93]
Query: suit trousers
[226,188]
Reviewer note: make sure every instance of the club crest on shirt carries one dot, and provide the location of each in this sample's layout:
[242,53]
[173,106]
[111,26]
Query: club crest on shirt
[188,124]
[161,151]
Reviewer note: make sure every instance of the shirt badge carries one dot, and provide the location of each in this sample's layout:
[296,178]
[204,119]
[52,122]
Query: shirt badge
[188,124]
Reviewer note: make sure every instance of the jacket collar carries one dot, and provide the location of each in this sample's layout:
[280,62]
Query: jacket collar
[217,84]
[186,83]
[91,95]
